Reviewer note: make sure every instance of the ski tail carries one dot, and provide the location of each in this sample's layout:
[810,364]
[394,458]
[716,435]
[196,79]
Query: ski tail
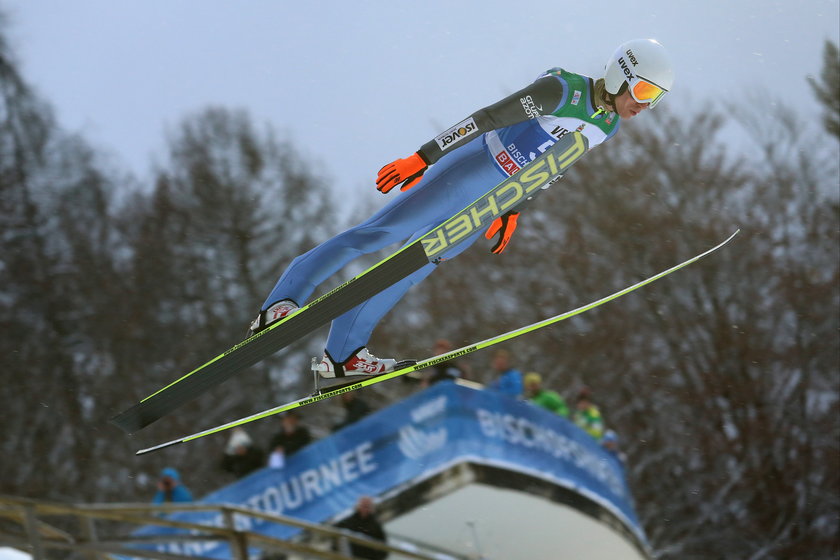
[440,358]
[267,342]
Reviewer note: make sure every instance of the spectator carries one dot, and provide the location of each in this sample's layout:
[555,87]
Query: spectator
[364,521]
[171,489]
[444,371]
[610,443]
[545,398]
[508,380]
[587,415]
[354,409]
[290,439]
[241,455]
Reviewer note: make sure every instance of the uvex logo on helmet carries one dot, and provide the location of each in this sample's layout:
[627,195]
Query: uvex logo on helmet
[626,69]
[632,57]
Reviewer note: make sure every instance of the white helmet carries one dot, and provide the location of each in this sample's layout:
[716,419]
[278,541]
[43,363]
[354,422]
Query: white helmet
[644,65]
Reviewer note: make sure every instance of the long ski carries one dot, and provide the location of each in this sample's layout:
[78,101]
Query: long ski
[506,196]
[422,364]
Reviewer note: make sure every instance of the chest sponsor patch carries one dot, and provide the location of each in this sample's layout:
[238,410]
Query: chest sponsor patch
[559,131]
[507,163]
[576,97]
[459,131]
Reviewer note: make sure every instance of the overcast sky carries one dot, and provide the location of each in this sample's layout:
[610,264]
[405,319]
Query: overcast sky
[358,84]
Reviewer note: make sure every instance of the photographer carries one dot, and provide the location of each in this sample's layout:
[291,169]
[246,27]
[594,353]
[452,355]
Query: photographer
[170,488]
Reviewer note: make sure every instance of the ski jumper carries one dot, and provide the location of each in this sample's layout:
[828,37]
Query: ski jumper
[469,159]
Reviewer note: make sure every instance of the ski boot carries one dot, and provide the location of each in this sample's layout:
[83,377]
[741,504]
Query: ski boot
[274,313]
[361,364]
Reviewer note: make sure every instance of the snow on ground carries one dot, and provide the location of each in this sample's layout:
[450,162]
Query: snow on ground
[7,553]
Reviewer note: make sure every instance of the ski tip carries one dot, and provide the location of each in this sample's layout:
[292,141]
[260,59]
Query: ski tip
[728,239]
[158,447]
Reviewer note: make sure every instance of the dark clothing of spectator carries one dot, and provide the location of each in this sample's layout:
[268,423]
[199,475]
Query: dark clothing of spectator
[367,525]
[244,461]
[291,442]
[354,410]
[444,371]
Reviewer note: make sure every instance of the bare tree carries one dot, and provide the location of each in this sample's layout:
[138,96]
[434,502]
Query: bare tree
[51,273]
[109,291]
[827,89]
[230,208]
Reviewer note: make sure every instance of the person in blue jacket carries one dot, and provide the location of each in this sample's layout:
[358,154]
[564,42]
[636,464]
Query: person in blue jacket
[171,489]
[454,169]
[509,380]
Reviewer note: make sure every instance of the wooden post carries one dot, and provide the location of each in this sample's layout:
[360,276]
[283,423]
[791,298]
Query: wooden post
[238,540]
[33,533]
[87,526]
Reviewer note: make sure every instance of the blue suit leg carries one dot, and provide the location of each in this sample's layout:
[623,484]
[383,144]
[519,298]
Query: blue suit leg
[440,194]
[465,179]
[352,330]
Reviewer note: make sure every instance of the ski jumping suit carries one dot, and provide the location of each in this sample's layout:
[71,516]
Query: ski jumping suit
[470,158]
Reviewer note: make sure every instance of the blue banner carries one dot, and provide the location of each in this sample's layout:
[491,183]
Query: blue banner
[420,436]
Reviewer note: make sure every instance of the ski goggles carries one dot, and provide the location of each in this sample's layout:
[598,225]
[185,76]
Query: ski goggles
[644,91]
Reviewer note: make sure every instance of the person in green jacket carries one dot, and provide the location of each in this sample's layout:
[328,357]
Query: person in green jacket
[545,398]
[587,416]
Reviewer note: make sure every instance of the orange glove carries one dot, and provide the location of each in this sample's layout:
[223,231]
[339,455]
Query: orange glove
[407,171]
[506,224]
